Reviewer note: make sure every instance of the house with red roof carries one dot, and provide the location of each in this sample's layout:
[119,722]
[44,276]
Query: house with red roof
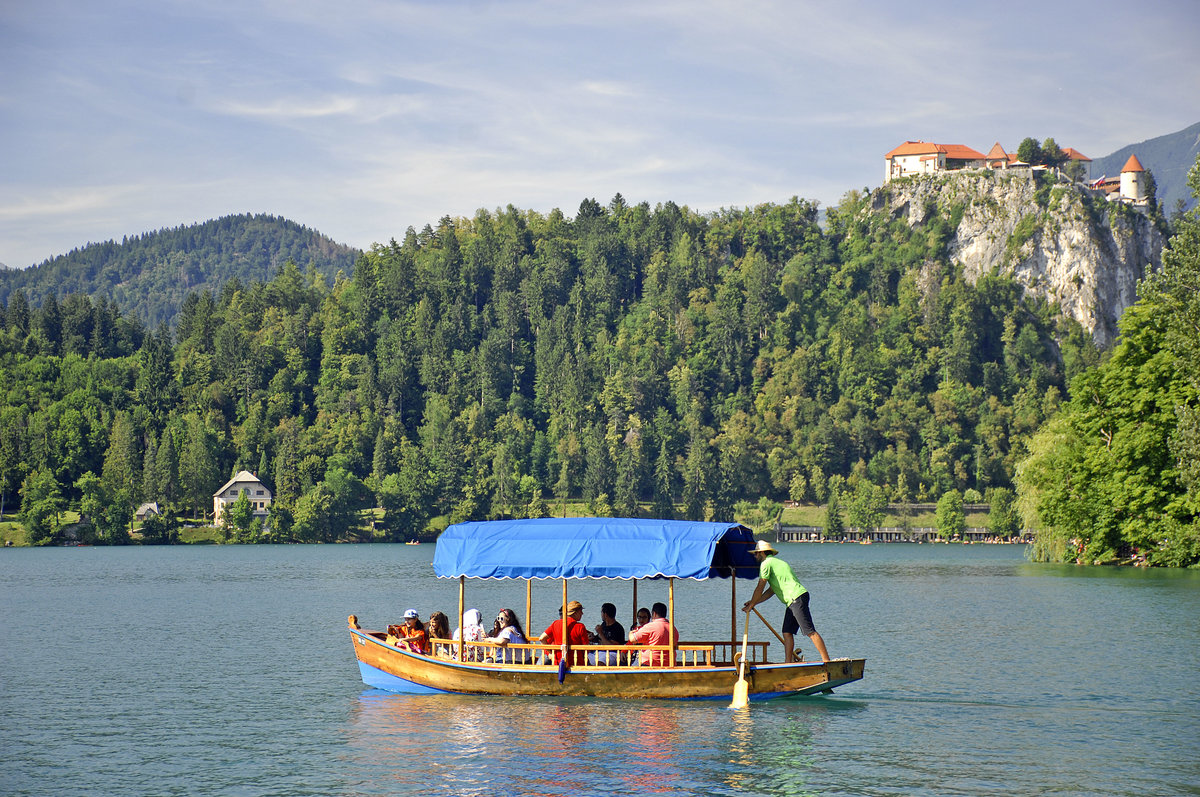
[1075,155]
[997,158]
[924,157]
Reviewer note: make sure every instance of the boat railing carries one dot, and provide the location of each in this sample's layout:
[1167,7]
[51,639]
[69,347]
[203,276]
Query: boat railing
[687,654]
[730,652]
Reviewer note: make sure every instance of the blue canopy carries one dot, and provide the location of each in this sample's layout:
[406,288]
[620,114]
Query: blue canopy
[594,548]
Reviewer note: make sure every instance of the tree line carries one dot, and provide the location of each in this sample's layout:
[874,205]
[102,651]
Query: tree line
[642,359]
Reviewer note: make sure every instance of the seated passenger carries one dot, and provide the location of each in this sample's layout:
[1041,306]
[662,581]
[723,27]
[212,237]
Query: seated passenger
[412,633]
[656,632]
[608,632]
[507,629]
[577,634]
[438,627]
[471,630]
[643,617]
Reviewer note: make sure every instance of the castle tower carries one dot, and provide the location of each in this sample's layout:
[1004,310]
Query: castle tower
[1133,180]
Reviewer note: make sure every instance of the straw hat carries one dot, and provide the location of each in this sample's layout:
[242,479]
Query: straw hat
[762,546]
[574,606]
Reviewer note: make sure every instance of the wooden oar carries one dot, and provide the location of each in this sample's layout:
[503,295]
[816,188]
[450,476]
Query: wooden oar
[741,690]
[771,627]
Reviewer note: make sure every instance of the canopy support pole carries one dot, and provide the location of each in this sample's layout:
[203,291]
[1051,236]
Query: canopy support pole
[528,603]
[733,608]
[563,620]
[635,604]
[462,588]
[671,641]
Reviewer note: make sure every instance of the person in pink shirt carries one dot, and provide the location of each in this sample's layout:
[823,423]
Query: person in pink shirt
[656,632]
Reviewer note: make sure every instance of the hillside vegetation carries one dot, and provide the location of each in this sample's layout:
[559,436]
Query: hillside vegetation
[493,366]
[149,275]
[1115,475]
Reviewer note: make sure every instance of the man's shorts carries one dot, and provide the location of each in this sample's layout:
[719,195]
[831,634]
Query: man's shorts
[797,618]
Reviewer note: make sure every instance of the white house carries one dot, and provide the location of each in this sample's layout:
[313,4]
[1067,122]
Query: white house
[243,482]
[924,157]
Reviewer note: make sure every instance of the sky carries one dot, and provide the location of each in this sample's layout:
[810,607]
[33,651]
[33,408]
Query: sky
[361,118]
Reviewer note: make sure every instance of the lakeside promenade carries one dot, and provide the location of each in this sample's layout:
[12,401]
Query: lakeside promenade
[912,534]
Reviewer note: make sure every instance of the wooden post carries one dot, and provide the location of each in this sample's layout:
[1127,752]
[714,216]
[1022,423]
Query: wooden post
[733,608]
[635,605]
[462,588]
[528,604]
[671,622]
[565,646]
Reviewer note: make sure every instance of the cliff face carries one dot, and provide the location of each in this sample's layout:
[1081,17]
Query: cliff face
[1059,240]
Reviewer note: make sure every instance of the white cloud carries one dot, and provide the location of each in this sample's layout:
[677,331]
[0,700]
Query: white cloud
[293,108]
[66,201]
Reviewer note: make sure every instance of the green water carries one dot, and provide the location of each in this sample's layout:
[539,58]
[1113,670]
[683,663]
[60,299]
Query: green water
[227,670]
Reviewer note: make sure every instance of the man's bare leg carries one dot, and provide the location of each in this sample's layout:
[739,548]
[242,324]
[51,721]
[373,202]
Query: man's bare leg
[819,642]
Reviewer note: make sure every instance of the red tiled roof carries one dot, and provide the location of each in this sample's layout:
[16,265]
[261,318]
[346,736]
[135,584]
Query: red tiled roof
[913,148]
[997,152]
[961,152]
[1075,155]
[1132,165]
[955,151]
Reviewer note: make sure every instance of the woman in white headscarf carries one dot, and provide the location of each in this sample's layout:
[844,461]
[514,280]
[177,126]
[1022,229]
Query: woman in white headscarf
[471,630]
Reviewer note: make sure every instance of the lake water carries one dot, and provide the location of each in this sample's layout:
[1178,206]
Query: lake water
[227,670]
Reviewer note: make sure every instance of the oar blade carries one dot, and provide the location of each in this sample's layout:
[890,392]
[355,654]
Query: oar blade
[741,694]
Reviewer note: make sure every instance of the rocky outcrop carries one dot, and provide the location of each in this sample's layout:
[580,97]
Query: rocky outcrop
[1061,241]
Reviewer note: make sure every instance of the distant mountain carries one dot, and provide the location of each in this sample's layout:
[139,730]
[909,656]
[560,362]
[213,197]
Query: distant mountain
[150,275]
[1168,157]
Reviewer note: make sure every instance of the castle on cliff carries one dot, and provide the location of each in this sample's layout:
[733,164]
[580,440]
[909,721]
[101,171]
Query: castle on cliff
[925,157]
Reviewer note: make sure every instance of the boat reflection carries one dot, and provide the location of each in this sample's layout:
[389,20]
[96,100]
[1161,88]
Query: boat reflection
[476,745]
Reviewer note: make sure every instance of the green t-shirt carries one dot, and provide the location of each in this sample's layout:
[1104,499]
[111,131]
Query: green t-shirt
[779,575]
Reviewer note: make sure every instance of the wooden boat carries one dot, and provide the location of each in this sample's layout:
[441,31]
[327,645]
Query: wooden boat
[574,548]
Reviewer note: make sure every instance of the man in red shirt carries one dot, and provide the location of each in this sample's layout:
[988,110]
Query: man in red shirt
[656,632]
[577,634]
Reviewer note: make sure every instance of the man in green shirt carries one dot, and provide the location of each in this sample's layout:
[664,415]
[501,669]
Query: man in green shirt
[776,578]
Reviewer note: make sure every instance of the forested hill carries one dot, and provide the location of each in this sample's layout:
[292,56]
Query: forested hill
[646,359]
[149,275]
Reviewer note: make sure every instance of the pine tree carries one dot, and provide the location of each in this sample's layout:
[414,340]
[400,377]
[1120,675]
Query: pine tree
[664,500]
[198,474]
[166,471]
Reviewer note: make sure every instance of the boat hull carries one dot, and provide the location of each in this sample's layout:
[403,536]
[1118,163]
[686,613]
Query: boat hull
[386,667]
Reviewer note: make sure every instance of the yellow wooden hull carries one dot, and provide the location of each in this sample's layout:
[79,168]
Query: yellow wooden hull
[394,669]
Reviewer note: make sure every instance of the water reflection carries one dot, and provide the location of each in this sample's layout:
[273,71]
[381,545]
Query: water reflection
[450,744]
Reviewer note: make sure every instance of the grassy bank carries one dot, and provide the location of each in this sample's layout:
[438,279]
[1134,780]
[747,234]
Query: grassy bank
[193,532]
